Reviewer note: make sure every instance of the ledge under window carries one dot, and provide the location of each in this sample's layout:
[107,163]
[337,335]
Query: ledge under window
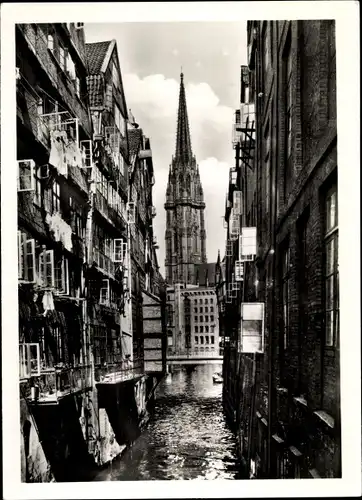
[301,401]
[325,418]
[313,473]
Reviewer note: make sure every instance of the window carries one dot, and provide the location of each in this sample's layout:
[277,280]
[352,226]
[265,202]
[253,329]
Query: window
[207,328]
[211,309]
[211,318]
[62,58]
[70,67]
[196,339]
[201,339]
[55,197]
[61,275]
[331,274]
[206,319]
[51,43]
[201,301]
[26,258]
[119,120]
[38,188]
[104,293]
[286,294]
[212,339]
[206,339]
[206,309]
[196,329]
[201,319]
[206,301]
[77,86]
[115,75]
[201,309]
[195,309]
[212,328]
[119,250]
[195,301]
[196,319]
[46,268]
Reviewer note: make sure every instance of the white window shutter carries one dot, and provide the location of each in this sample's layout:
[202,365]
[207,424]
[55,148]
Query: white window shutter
[20,256]
[42,276]
[247,247]
[237,203]
[26,178]
[49,269]
[251,335]
[50,43]
[86,153]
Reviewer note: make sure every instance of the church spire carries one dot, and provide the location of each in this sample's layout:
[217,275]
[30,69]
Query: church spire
[183,140]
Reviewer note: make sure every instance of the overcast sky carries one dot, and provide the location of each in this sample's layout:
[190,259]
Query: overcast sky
[151,56]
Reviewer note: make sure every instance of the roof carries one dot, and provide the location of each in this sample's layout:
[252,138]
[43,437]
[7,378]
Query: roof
[134,140]
[183,139]
[95,54]
[95,90]
[207,272]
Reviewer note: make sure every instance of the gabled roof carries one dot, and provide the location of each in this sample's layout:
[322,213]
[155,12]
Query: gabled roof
[95,54]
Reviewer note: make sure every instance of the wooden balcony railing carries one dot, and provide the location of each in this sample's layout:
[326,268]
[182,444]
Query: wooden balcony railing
[54,384]
[104,262]
[115,216]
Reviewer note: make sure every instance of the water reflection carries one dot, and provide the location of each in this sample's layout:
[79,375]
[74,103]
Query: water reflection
[187,436]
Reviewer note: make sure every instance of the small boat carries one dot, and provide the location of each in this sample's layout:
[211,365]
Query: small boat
[217,378]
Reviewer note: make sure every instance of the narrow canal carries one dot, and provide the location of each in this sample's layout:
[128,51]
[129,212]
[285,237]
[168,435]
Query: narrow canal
[187,436]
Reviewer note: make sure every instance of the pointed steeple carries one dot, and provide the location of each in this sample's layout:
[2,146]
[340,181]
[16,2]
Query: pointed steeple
[183,140]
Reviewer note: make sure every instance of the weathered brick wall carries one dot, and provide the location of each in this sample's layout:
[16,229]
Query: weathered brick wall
[305,366]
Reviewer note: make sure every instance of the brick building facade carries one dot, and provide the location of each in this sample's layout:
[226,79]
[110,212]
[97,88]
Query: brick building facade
[287,172]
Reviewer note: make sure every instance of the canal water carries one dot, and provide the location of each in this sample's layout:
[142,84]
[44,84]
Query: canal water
[187,436]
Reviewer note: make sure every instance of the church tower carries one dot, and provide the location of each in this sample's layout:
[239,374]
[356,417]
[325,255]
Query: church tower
[185,235]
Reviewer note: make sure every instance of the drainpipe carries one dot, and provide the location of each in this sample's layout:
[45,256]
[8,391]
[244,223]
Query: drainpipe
[272,323]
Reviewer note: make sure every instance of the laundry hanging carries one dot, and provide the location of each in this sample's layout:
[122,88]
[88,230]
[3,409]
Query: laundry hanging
[73,154]
[48,302]
[57,156]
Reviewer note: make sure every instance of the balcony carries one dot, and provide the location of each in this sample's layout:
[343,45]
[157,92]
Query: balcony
[53,384]
[118,373]
[103,262]
[79,177]
[195,353]
[116,216]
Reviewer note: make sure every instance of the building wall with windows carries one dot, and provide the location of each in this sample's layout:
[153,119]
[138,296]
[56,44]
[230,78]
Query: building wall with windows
[294,430]
[79,241]
[53,129]
[192,321]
